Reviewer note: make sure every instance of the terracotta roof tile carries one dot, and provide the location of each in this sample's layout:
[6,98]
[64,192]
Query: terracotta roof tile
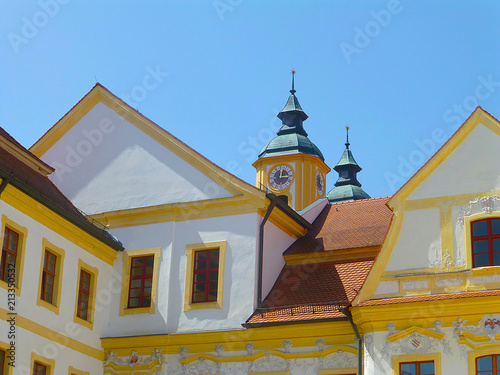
[346,225]
[431,297]
[312,291]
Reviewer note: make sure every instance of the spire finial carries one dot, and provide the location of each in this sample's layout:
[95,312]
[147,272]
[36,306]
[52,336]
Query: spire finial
[293,82]
[347,143]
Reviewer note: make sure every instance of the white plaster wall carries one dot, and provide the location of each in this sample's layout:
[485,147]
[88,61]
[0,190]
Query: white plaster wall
[379,352]
[28,342]
[275,243]
[139,238]
[239,275]
[419,244]
[104,163]
[26,303]
[387,287]
[312,213]
[471,168]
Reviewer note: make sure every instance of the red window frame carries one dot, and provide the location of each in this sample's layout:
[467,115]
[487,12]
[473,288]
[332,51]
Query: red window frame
[490,238]
[495,365]
[417,366]
[9,249]
[39,369]
[84,295]
[205,275]
[141,281]
[48,276]
[2,361]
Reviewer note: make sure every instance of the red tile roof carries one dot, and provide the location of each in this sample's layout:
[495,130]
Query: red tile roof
[431,297]
[312,291]
[41,188]
[346,225]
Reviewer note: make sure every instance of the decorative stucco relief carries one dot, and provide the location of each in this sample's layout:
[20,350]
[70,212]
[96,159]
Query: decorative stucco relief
[154,362]
[486,204]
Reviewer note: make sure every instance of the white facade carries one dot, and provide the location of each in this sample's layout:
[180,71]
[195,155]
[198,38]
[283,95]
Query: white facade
[40,330]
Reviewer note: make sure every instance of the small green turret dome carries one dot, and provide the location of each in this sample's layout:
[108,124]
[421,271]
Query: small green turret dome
[292,138]
[291,143]
[347,187]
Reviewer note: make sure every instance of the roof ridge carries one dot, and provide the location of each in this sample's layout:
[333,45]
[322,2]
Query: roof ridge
[360,200]
[103,88]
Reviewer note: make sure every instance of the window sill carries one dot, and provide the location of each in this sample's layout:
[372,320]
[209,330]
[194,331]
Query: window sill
[83,322]
[48,306]
[485,270]
[138,310]
[5,285]
[203,305]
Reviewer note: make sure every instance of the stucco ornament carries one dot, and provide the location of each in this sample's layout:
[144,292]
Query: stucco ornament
[320,343]
[458,325]
[134,359]
[491,325]
[219,348]
[391,327]
[448,262]
[287,344]
[269,363]
[340,359]
[110,357]
[486,204]
[438,323]
[479,204]
[201,366]
[417,344]
[249,346]
[386,351]
[183,352]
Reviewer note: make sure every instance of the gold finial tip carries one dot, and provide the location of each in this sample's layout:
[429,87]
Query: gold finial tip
[347,128]
[293,71]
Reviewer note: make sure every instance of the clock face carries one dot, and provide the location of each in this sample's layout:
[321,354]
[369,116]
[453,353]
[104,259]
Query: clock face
[281,177]
[319,183]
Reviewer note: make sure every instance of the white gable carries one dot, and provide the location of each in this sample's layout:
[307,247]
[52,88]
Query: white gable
[104,163]
[472,167]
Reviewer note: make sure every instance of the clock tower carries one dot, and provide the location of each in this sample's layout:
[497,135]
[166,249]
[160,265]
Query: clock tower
[290,165]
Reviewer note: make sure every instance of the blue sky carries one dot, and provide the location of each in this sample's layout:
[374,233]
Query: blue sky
[402,74]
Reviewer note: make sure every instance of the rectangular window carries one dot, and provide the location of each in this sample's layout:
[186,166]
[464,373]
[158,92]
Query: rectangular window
[9,252]
[86,285]
[48,277]
[39,369]
[417,368]
[205,275]
[84,295]
[485,242]
[488,365]
[141,281]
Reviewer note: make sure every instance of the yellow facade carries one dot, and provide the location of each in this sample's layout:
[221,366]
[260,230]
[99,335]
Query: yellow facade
[304,188]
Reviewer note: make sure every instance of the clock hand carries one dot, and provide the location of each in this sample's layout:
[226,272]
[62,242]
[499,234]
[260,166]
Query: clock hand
[281,172]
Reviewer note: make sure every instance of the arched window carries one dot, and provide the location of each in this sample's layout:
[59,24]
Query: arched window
[485,236]
[488,365]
